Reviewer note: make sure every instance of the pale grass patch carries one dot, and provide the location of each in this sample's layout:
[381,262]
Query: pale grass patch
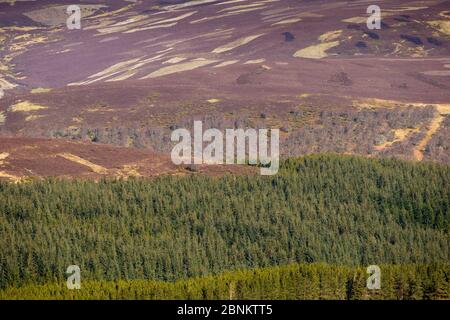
[40,90]
[226,63]
[355,20]
[11,177]
[287,21]
[181,67]
[174,60]
[3,156]
[256,61]
[237,43]
[129,171]
[243,6]
[33,117]
[438,73]
[26,106]
[94,167]
[441,25]
[330,36]
[317,51]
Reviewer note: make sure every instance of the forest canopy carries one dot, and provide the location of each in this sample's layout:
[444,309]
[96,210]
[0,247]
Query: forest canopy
[341,210]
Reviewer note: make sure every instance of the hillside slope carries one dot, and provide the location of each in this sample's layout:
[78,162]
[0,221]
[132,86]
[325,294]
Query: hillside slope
[137,70]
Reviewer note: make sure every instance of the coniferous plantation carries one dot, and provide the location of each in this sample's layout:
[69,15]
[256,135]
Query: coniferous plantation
[290,282]
[308,232]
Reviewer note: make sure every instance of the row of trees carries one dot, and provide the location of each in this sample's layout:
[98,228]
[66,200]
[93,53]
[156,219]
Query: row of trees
[333,209]
[291,282]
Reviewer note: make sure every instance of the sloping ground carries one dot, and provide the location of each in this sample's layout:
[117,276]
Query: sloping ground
[139,40]
[137,69]
[22,158]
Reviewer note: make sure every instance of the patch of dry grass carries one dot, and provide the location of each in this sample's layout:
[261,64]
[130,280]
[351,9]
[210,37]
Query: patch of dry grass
[226,63]
[180,67]
[26,106]
[330,35]
[40,90]
[237,43]
[94,167]
[33,117]
[317,51]
[2,117]
[441,25]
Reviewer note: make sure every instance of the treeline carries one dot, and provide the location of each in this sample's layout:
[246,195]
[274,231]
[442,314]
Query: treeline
[291,282]
[310,131]
[334,209]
